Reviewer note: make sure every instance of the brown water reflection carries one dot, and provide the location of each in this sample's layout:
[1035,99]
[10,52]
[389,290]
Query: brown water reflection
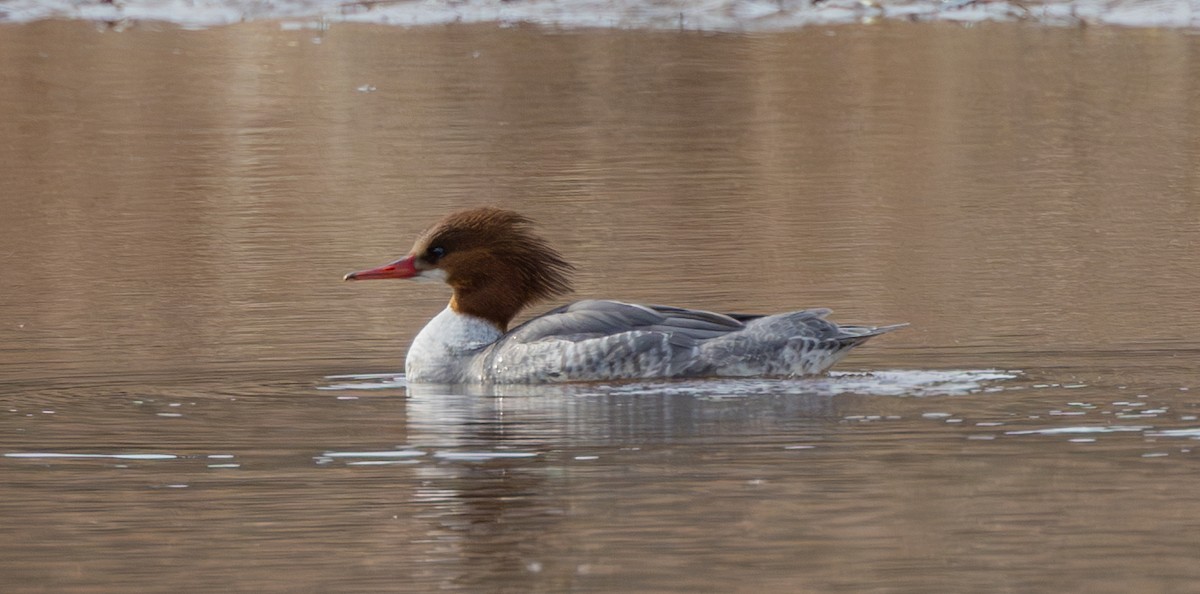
[178,207]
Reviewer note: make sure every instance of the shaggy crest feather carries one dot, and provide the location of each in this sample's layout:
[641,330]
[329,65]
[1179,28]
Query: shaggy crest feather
[488,245]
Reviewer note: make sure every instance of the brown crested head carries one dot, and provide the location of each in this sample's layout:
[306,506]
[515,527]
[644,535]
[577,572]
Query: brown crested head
[494,261]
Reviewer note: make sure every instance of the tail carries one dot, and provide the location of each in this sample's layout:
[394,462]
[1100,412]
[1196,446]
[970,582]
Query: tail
[839,346]
[866,331]
[852,336]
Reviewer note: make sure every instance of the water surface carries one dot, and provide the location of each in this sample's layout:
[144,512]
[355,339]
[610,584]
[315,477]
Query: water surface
[191,400]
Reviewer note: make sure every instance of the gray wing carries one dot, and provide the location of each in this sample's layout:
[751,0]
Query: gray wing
[607,340]
[586,320]
[603,340]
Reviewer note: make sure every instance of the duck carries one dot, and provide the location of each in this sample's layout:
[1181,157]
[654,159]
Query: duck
[496,265]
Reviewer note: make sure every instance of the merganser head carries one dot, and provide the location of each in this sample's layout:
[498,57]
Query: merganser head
[492,259]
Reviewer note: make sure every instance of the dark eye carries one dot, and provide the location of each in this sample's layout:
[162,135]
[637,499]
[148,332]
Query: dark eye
[435,253]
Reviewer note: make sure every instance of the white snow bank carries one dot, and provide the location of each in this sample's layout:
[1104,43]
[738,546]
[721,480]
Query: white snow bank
[708,15]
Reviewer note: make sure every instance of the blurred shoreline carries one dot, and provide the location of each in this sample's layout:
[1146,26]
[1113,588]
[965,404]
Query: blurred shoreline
[694,15]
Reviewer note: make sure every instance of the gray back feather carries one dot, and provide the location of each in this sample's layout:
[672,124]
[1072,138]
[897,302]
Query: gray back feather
[601,340]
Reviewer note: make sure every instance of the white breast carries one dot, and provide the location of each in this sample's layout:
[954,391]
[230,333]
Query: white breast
[444,349]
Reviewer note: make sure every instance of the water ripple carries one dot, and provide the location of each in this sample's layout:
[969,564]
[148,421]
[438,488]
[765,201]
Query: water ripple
[897,382]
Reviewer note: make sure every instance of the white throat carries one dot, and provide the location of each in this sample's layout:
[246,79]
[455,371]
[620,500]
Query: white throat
[444,349]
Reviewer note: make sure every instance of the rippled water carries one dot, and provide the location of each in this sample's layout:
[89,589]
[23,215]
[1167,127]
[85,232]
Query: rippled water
[191,400]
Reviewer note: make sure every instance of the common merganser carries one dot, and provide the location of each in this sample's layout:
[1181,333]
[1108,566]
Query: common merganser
[497,265]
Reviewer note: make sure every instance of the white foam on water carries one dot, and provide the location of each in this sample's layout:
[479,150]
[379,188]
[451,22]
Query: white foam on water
[108,456]
[365,376]
[482,456]
[380,462]
[367,381]
[873,383]
[1081,429]
[896,382]
[379,454]
[1192,433]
